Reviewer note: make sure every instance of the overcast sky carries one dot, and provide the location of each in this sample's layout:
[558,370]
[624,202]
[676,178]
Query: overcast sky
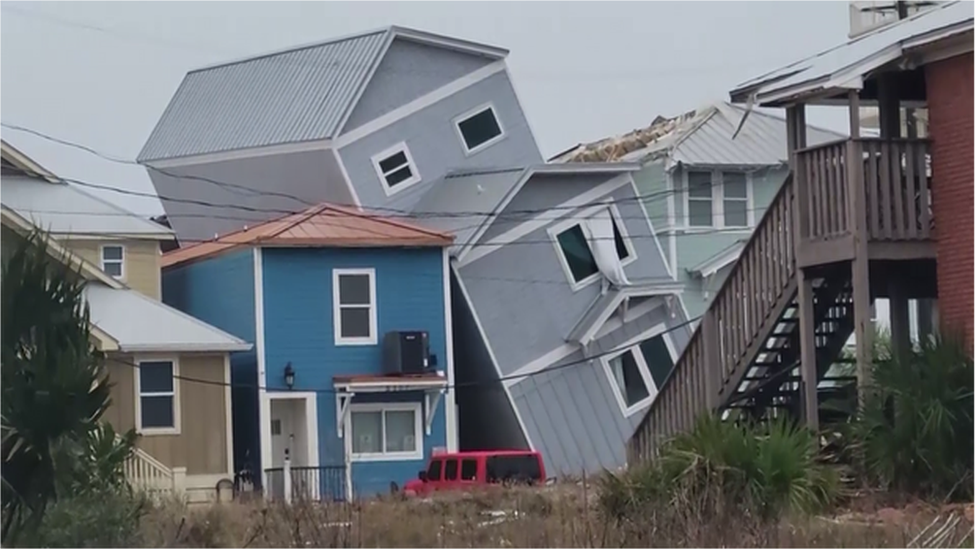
[101,73]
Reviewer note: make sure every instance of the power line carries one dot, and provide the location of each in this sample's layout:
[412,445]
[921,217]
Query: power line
[500,379]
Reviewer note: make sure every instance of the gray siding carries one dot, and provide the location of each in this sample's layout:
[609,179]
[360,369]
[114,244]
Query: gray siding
[435,145]
[570,411]
[652,185]
[313,176]
[485,416]
[410,70]
[544,191]
[524,329]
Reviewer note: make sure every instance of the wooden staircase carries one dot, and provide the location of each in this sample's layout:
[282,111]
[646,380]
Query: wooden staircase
[845,205]
[147,474]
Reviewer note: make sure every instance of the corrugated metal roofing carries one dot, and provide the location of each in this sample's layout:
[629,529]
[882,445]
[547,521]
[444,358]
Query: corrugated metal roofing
[324,225]
[62,209]
[293,96]
[814,72]
[458,203]
[138,323]
[702,137]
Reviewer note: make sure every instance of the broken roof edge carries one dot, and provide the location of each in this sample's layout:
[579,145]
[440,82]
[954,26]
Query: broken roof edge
[444,41]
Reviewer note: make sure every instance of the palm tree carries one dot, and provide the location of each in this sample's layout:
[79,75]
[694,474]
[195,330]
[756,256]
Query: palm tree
[53,383]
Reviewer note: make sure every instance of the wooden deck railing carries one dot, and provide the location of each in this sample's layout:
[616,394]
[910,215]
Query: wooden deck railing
[895,176]
[146,473]
[756,291]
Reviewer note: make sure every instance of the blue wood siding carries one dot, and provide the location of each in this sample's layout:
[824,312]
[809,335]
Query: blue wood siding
[298,320]
[220,292]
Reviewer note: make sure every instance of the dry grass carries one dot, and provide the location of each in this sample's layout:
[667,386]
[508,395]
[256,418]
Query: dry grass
[563,516]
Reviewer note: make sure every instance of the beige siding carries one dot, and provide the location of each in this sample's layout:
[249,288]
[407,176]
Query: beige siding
[201,446]
[141,268]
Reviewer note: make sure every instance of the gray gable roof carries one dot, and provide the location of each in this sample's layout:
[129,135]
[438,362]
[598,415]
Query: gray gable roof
[300,94]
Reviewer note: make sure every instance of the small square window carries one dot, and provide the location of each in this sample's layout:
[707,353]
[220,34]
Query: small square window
[395,168]
[113,261]
[479,129]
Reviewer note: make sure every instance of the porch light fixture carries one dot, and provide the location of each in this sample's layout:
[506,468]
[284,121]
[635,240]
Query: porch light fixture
[289,376]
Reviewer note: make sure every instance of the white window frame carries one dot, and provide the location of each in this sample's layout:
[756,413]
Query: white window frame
[579,219]
[718,201]
[337,307]
[383,407]
[176,429]
[465,116]
[102,261]
[414,178]
[633,346]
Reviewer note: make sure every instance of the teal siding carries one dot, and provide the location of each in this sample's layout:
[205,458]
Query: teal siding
[652,186]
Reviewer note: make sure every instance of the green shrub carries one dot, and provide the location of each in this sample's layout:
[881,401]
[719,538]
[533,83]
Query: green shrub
[109,518]
[915,430]
[761,472]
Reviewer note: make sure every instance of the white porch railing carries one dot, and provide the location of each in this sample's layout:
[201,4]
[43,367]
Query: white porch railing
[147,473]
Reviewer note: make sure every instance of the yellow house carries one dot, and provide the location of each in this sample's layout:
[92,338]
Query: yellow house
[170,371]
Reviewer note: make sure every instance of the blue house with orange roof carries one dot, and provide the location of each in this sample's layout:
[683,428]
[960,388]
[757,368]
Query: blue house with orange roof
[350,375]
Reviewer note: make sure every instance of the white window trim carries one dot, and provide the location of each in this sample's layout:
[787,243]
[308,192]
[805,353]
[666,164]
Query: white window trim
[578,219]
[461,118]
[718,202]
[101,259]
[645,371]
[415,407]
[177,423]
[406,183]
[337,308]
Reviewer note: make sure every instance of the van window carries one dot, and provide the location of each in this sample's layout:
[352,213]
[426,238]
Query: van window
[469,469]
[451,470]
[513,468]
[434,472]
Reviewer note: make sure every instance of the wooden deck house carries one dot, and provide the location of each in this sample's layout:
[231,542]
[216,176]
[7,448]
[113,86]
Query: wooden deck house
[854,222]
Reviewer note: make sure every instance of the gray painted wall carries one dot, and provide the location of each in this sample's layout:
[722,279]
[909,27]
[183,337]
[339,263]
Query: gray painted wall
[435,145]
[523,297]
[545,191]
[485,416]
[408,71]
[570,411]
[313,176]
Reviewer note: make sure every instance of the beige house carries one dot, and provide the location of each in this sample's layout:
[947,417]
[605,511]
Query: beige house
[170,371]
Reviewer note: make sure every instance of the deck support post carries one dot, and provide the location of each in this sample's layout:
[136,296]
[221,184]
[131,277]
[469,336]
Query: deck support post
[808,350]
[860,279]
[901,337]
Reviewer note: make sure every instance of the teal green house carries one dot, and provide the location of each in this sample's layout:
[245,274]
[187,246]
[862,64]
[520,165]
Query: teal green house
[706,179]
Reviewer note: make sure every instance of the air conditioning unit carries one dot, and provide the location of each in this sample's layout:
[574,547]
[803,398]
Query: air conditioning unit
[405,353]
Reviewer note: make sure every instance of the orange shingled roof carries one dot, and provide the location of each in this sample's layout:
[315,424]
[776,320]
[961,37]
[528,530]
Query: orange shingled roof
[325,225]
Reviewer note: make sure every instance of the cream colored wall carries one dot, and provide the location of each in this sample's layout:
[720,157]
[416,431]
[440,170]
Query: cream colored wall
[141,268]
[201,446]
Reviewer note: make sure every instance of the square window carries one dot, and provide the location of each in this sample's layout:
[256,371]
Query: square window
[628,379]
[577,252]
[480,129]
[156,386]
[469,469]
[699,199]
[395,168]
[386,431]
[354,293]
[113,261]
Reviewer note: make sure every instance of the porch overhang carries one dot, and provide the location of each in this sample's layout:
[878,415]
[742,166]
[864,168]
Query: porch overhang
[603,307]
[432,385]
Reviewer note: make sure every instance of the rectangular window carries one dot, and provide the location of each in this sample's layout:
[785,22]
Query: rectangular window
[396,168]
[386,432]
[699,199]
[434,472]
[113,261]
[513,468]
[157,404]
[451,469]
[479,129]
[735,200]
[577,254]
[354,295]
[469,469]
[637,373]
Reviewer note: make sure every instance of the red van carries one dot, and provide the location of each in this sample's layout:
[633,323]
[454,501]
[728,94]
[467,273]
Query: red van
[451,471]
